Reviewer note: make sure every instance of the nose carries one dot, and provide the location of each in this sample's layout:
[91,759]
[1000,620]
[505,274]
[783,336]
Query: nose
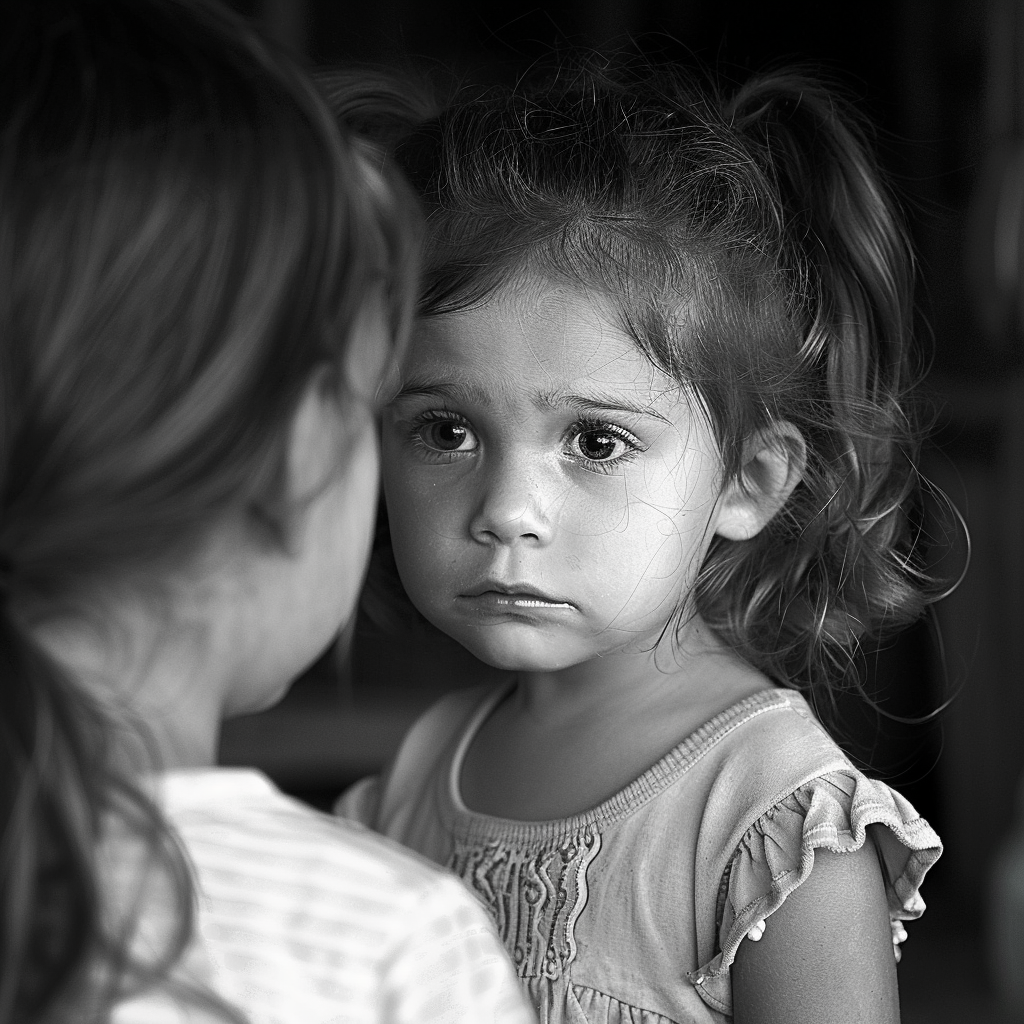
[512,503]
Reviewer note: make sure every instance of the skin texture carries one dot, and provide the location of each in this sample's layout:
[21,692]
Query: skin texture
[551,496]
[823,956]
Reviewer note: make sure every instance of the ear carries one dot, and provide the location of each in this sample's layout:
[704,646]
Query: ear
[773,464]
[316,449]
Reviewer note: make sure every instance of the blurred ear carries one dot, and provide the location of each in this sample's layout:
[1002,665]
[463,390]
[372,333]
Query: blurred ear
[315,439]
[324,431]
[329,414]
[773,464]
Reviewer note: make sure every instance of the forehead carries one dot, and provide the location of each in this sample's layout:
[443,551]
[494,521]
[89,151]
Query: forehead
[541,338]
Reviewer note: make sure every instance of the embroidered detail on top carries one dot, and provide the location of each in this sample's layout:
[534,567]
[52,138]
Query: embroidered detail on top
[534,895]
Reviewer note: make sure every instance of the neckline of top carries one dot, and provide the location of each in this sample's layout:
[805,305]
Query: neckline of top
[665,771]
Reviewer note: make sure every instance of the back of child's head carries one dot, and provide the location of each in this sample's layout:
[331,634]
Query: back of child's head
[751,249]
[185,239]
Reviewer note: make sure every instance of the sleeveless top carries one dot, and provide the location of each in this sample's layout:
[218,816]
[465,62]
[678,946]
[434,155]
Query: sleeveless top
[632,912]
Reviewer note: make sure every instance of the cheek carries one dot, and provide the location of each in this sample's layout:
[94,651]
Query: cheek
[419,520]
[655,554]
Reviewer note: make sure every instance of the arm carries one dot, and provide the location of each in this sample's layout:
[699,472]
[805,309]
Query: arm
[826,953]
[360,802]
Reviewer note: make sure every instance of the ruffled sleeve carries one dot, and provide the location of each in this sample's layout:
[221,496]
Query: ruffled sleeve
[833,812]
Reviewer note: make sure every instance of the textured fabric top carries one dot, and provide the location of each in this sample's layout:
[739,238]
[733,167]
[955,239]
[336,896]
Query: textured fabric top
[633,911]
[305,919]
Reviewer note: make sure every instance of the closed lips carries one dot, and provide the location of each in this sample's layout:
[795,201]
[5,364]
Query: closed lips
[519,596]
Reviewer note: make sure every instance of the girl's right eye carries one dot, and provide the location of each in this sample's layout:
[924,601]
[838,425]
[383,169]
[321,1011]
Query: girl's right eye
[445,434]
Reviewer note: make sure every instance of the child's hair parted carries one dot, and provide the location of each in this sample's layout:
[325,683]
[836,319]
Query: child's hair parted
[185,238]
[752,250]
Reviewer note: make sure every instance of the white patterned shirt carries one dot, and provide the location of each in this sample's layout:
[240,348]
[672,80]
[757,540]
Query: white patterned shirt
[306,919]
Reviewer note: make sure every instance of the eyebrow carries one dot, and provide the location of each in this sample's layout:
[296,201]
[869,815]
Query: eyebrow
[582,403]
[456,390]
[452,389]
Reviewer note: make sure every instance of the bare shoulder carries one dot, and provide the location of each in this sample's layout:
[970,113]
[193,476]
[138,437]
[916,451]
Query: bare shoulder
[826,953]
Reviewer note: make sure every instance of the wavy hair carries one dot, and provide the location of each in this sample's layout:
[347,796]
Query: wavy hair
[753,251]
[185,238]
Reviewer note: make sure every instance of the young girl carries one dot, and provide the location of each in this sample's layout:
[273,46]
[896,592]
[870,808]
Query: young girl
[648,454]
[202,282]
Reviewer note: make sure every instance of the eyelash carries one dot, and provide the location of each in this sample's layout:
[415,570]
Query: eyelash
[585,426]
[424,419]
[581,427]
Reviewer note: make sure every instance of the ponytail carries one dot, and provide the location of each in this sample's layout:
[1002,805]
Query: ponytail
[52,741]
[69,914]
[844,229]
[841,563]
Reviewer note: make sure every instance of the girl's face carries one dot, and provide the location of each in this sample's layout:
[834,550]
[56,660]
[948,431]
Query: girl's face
[551,494]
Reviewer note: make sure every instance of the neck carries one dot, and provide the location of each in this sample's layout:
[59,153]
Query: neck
[694,670]
[158,681]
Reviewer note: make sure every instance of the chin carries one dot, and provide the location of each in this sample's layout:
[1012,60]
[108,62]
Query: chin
[518,653]
[253,703]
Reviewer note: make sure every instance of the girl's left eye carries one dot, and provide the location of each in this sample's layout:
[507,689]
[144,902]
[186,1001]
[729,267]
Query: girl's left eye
[603,443]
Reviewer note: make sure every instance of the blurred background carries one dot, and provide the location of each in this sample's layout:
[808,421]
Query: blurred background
[943,81]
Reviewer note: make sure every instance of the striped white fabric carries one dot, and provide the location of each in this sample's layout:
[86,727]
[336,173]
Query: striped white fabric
[306,919]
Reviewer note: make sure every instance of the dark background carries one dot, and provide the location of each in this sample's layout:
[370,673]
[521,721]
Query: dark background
[942,80]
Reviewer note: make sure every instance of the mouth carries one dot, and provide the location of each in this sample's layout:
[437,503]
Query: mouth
[513,596]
